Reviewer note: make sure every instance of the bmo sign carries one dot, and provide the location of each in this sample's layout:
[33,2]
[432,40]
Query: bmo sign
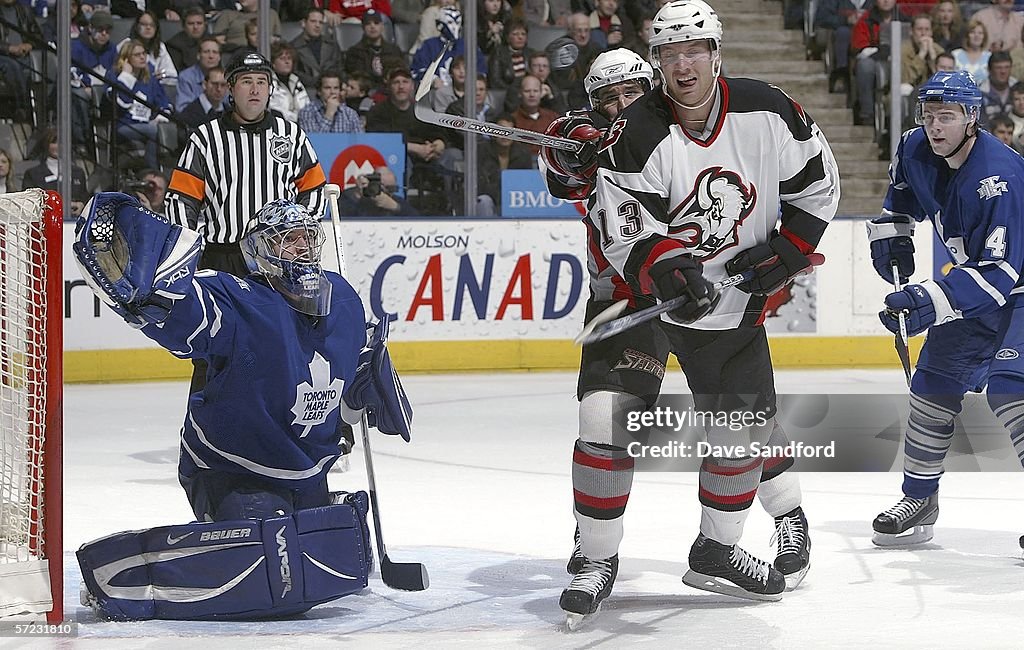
[523,195]
[347,155]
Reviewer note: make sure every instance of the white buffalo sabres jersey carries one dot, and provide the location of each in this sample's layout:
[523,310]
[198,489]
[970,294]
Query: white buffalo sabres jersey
[661,191]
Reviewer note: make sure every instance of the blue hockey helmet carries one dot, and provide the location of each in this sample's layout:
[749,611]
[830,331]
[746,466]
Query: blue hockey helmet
[284,245]
[951,88]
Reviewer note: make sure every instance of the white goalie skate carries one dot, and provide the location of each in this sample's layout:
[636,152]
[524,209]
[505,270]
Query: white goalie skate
[909,522]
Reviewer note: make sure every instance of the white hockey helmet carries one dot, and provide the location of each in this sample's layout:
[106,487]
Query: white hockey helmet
[616,66]
[680,21]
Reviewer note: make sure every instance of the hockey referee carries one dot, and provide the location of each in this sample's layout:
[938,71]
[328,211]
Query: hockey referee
[236,164]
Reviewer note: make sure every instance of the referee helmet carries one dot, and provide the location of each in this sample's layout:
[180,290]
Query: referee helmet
[252,62]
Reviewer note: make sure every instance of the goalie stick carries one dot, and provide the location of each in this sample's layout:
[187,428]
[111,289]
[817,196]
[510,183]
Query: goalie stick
[607,324]
[407,576]
[424,113]
[901,340]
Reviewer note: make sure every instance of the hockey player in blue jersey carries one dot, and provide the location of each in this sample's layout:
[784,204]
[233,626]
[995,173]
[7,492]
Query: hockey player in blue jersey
[971,186]
[287,348]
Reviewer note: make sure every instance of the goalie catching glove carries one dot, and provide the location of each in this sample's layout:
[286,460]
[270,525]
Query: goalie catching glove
[377,388]
[683,276]
[771,265]
[132,258]
[578,166]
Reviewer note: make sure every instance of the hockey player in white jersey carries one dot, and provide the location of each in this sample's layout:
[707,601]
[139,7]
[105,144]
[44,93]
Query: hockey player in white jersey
[704,178]
[971,187]
[627,370]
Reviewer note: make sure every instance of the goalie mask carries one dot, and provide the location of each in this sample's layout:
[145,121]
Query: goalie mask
[449,24]
[284,245]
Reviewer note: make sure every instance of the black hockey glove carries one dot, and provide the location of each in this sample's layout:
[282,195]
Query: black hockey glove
[773,265]
[682,276]
[578,165]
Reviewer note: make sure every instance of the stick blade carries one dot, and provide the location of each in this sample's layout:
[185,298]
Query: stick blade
[404,576]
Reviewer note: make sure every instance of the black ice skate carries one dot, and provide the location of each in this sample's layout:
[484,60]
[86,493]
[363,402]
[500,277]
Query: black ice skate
[576,560]
[911,521]
[794,543]
[588,589]
[731,571]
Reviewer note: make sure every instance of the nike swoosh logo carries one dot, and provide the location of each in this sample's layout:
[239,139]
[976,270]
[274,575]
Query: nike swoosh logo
[171,541]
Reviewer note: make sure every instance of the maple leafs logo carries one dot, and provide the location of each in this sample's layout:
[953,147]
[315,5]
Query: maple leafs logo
[313,403]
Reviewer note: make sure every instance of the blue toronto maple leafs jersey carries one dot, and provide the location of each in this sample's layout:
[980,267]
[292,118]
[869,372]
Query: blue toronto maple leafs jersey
[275,381]
[977,211]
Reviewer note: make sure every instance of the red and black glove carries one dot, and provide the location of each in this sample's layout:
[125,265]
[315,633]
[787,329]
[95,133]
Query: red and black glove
[773,265]
[683,276]
[578,165]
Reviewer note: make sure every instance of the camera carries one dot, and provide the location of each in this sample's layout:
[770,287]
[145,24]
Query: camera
[372,187]
[137,186]
[614,28]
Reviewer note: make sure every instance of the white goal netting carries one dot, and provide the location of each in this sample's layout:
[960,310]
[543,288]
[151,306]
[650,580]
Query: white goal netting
[24,266]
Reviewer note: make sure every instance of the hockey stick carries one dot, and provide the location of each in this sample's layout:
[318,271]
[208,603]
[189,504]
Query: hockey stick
[607,324]
[424,113]
[900,340]
[407,576]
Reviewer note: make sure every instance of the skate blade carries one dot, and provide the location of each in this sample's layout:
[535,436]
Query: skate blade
[574,621]
[793,580]
[910,537]
[724,587]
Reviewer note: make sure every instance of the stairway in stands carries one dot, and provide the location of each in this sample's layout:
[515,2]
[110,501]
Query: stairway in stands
[755,45]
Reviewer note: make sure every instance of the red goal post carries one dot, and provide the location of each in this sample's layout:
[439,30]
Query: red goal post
[31,422]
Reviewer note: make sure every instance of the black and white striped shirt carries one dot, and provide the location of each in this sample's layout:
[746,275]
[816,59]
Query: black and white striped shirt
[228,171]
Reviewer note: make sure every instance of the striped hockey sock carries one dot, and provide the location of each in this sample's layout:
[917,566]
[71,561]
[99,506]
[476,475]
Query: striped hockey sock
[934,404]
[602,476]
[1006,398]
[727,488]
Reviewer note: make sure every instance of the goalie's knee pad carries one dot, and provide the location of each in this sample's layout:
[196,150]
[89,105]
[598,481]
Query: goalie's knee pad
[600,410]
[242,569]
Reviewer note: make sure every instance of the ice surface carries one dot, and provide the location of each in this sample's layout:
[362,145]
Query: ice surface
[483,497]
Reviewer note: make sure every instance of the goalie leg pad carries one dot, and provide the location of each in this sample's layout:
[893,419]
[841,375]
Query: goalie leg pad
[243,569]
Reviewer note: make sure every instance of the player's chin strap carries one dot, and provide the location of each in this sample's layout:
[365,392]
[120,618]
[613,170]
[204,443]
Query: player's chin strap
[715,72]
[963,141]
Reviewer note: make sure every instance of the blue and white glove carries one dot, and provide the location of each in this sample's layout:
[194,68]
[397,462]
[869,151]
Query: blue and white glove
[891,239]
[924,305]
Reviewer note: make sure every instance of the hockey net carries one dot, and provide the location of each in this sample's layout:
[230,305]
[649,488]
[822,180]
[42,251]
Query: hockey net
[31,292]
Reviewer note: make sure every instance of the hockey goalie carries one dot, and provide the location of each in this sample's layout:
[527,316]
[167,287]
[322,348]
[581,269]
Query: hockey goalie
[287,347]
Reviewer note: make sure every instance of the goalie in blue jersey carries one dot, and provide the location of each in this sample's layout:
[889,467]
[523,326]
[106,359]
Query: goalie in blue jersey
[971,186]
[288,347]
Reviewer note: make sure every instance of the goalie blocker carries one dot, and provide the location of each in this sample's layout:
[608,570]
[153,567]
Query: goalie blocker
[240,569]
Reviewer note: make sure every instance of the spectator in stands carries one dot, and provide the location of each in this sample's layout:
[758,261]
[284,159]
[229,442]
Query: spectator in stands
[166,9]
[231,25]
[79,23]
[642,39]
[510,62]
[190,81]
[530,114]
[7,182]
[136,121]
[352,11]
[450,22]
[375,195]
[210,104]
[16,44]
[609,29]
[372,55]
[571,79]
[1002,24]
[1002,126]
[252,38]
[155,187]
[1017,54]
[995,91]
[948,25]
[183,46]
[454,87]
[429,161]
[945,63]
[491,19]
[46,174]
[919,56]
[328,113]
[497,155]
[314,54]
[406,11]
[839,18]
[428,22]
[1016,113]
[288,95]
[550,96]
[91,51]
[866,41]
[484,111]
[357,95]
[146,30]
[557,12]
[973,56]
